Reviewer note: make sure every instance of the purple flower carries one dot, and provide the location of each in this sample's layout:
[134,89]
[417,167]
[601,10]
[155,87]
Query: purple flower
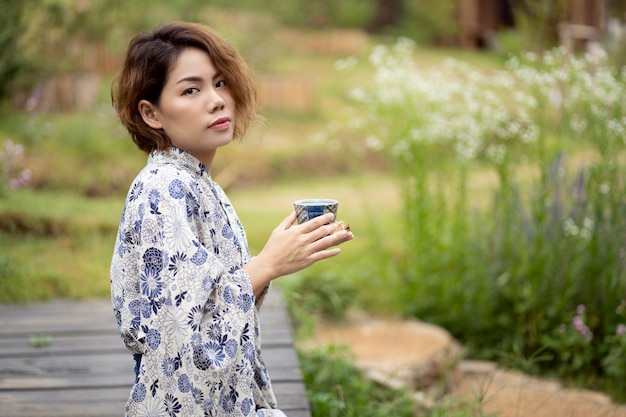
[578,323]
[581,327]
[621,330]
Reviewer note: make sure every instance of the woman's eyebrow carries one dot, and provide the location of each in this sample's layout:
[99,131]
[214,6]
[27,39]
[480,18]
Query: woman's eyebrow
[192,78]
[197,78]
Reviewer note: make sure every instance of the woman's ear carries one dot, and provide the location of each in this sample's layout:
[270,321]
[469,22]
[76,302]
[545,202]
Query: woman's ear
[149,114]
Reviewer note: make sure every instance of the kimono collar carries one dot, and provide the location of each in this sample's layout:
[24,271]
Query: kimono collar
[180,157]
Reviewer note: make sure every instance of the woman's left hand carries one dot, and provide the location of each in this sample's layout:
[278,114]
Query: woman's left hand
[291,248]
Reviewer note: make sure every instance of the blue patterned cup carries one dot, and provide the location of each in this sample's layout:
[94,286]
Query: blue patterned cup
[310,208]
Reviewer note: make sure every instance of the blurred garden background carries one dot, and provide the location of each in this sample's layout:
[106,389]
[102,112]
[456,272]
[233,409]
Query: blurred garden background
[477,149]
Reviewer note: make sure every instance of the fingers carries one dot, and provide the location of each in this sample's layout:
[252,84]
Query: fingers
[288,221]
[291,248]
[321,232]
[324,254]
[317,222]
[330,239]
[325,247]
[318,229]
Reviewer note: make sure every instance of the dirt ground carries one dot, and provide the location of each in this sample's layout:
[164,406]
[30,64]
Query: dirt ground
[398,353]
[513,394]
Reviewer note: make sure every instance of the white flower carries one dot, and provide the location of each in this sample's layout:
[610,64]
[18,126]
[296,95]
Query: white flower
[358,95]
[569,227]
[496,153]
[346,64]
[374,143]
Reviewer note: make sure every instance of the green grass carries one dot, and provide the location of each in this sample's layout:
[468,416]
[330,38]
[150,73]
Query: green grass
[56,245]
[337,388]
[369,203]
[70,237]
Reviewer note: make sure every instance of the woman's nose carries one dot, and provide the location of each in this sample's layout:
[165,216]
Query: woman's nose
[216,102]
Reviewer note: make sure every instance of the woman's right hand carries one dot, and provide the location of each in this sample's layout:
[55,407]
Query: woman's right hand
[291,248]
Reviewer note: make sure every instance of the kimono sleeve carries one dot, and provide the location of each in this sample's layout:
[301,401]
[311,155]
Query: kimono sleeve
[172,260]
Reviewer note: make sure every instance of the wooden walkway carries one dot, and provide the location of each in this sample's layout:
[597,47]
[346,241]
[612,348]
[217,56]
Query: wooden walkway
[86,371]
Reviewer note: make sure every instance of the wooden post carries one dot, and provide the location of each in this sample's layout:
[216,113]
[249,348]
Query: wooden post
[589,12]
[468,18]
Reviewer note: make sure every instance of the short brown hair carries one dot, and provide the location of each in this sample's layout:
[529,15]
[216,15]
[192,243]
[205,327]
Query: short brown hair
[149,60]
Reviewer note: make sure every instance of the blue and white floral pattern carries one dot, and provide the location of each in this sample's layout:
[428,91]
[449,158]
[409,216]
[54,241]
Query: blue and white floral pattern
[182,299]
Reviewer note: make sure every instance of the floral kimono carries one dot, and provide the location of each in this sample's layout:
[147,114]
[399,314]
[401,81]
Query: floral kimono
[183,303]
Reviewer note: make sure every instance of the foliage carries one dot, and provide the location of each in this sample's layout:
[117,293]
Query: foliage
[53,35]
[522,260]
[11,26]
[335,387]
[505,275]
[49,149]
[427,23]
[616,47]
[538,21]
[326,295]
[509,42]
[327,13]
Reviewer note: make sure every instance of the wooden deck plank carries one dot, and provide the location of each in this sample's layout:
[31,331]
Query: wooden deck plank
[69,344]
[105,408]
[293,394]
[64,372]
[86,371]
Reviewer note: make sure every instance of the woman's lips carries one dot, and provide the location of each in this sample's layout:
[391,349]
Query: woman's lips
[220,124]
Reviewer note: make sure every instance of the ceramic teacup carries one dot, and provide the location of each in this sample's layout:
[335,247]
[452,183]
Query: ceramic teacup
[308,209]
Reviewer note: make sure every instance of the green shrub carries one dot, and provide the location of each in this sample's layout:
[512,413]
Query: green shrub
[428,23]
[335,387]
[86,152]
[12,61]
[505,273]
[303,13]
[313,297]
[509,42]
[538,21]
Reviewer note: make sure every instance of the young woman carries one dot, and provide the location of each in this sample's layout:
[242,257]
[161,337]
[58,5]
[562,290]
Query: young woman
[185,290]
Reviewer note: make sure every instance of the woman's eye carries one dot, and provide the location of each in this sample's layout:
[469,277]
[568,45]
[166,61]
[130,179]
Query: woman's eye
[191,90]
[220,84]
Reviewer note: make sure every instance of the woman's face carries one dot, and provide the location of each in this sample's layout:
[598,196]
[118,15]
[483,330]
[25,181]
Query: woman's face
[196,109]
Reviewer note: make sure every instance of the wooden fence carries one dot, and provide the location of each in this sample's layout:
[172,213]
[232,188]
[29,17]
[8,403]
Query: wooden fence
[60,92]
[80,89]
